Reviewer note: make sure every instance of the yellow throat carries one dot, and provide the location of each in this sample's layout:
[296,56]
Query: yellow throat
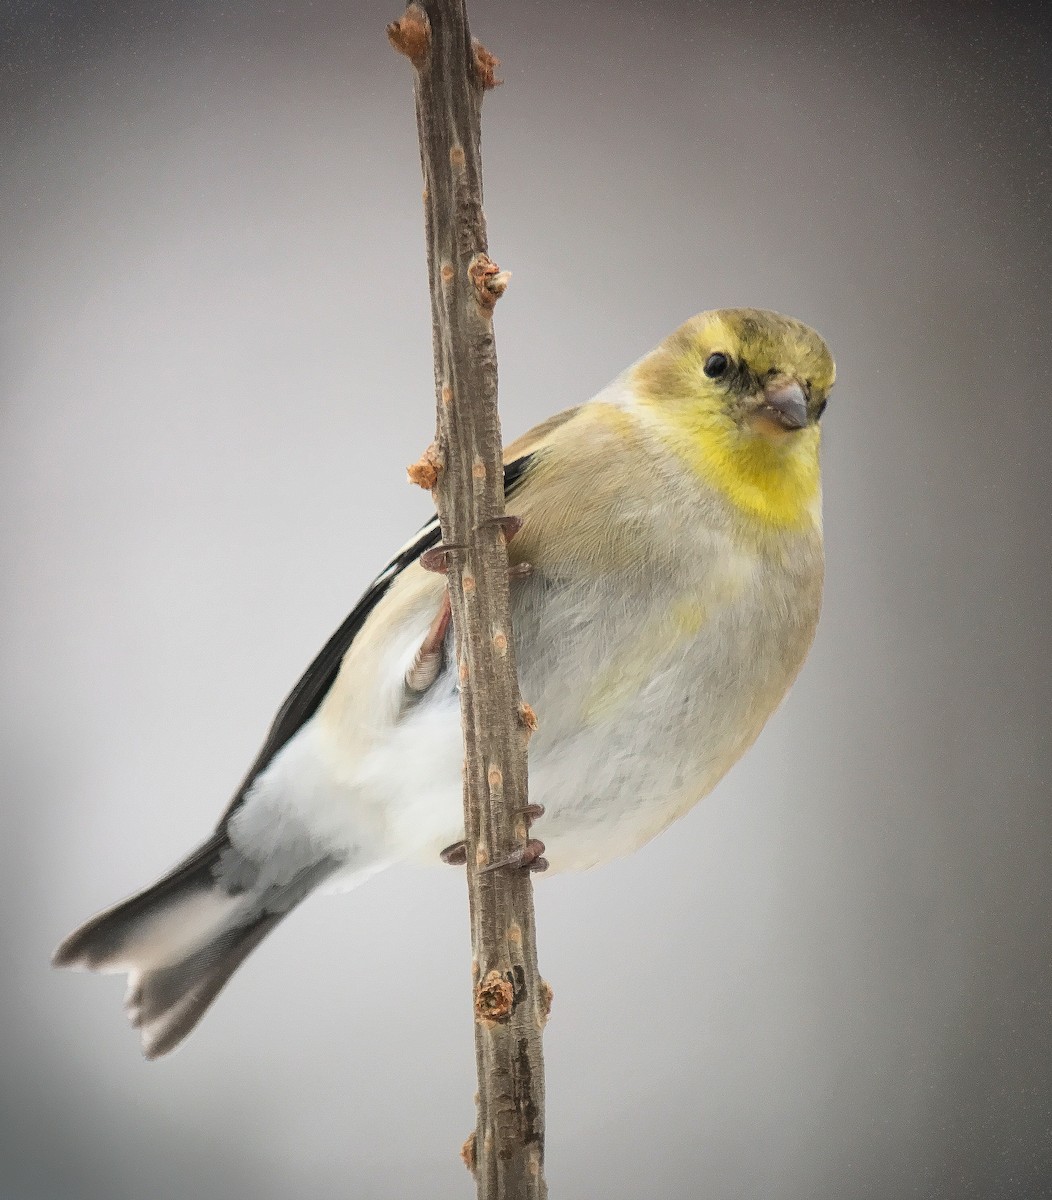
[776,484]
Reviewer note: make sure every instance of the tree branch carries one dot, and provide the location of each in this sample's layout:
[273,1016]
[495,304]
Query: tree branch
[464,467]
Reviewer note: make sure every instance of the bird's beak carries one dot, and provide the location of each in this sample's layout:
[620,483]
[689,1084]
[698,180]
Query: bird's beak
[785,403]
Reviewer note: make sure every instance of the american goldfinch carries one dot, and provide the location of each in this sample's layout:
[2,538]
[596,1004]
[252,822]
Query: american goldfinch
[673,532]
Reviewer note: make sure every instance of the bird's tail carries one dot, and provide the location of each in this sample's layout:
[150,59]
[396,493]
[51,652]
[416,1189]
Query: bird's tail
[179,942]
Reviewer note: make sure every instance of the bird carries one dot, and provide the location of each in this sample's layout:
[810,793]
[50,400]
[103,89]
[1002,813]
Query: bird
[666,576]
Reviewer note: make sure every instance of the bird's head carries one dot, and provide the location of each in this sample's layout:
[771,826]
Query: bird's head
[739,393]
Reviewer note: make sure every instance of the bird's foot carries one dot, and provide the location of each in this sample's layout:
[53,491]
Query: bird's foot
[435,558]
[510,524]
[525,858]
[427,662]
[455,855]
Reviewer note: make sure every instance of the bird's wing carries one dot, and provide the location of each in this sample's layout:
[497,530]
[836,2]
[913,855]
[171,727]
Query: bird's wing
[304,699]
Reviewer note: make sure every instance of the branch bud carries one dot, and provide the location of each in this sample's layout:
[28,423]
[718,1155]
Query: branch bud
[424,472]
[411,35]
[486,65]
[489,280]
[494,997]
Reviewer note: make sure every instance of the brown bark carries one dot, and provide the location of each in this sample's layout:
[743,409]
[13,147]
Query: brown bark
[510,1001]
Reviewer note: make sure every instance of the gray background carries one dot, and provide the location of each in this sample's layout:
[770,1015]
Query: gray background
[833,978]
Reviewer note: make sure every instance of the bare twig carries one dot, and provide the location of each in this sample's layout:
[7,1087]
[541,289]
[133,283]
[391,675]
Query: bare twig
[510,999]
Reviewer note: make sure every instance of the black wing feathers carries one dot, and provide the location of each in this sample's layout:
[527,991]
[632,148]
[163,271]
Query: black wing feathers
[304,699]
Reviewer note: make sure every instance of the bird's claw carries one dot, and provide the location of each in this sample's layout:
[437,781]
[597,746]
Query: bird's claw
[509,523]
[511,526]
[525,858]
[435,558]
[428,660]
[455,855]
[530,856]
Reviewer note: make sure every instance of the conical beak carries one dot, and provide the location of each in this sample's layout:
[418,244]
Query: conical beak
[784,399]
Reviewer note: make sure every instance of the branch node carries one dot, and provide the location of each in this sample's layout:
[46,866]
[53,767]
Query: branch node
[489,280]
[486,65]
[411,35]
[467,1152]
[528,717]
[494,997]
[547,996]
[424,472]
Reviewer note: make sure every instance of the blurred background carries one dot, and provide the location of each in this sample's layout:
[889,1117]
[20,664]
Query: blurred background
[832,979]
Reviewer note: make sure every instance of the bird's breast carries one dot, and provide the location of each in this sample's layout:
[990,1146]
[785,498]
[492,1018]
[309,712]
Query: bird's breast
[647,695]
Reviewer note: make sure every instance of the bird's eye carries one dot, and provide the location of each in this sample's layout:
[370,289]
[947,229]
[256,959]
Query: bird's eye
[715,365]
